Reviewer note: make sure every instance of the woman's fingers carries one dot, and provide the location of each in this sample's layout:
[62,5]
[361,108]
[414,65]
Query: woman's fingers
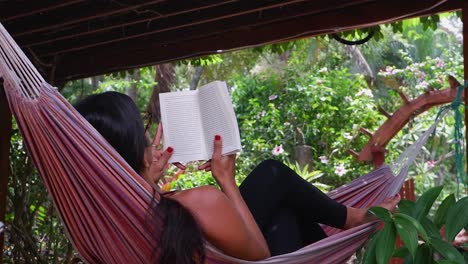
[165,156]
[157,137]
[179,165]
[205,165]
[217,147]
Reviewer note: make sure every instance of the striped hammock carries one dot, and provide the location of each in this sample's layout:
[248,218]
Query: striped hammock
[103,203]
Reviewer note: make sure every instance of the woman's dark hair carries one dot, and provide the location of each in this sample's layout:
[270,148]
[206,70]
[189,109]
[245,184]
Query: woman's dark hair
[117,118]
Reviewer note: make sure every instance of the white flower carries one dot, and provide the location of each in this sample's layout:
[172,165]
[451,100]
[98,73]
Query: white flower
[277,150]
[323,159]
[320,81]
[340,170]
[347,136]
[324,69]
[422,85]
[272,97]
[262,113]
[365,92]
[286,124]
[323,98]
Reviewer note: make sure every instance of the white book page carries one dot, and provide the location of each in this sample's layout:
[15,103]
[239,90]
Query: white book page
[218,117]
[182,128]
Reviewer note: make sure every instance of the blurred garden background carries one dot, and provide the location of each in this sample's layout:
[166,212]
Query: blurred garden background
[302,102]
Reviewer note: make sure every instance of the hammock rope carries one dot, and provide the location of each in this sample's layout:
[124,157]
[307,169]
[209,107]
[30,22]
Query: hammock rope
[458,137]
[103,203]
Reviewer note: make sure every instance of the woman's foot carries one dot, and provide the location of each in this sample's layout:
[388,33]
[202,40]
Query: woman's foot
[357,216]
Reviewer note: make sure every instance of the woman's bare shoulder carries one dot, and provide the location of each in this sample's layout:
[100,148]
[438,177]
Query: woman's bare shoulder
[201,197]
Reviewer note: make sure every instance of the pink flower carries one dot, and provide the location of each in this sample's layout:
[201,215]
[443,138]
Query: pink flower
[262,113]
[272,97]
[323,159]
[277,150]
[421,76]
[431,164]
[340,170]
[439,62]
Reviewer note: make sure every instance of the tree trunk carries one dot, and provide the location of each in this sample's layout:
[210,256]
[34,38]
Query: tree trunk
[196,77]
[132,90]
[361,64]
[164,77]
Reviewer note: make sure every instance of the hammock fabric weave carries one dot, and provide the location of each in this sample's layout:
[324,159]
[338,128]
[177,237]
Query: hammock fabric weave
[103,203]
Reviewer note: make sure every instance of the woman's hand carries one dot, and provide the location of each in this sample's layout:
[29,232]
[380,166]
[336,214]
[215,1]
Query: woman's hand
[159,166]
[159,162]
[223,168]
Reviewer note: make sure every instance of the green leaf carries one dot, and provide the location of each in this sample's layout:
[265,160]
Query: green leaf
[381,213]
[385,243]
[447,250]
[431,229]
[406,206]
[369,255]
[423,255]
[401,252]
[424,203]
[444,261]
[417,225]
[441,214]
[408,233]
[457,218]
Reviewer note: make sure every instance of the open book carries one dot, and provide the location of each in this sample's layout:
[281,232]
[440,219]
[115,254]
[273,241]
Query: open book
[191,119]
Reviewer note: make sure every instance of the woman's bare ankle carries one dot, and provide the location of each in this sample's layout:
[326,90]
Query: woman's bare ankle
[358,216]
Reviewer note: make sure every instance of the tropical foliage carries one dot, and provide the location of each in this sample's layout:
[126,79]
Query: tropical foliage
[311,94]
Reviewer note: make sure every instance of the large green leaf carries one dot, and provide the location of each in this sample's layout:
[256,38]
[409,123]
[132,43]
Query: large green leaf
[381,213]
[441,214]
[419,228]
[425,202]
[444,261]
[369,255]
[431,229]
[385,243]
[406,207]
[423,255]
[401,252]
[447,250]
[408,233]
[457,218]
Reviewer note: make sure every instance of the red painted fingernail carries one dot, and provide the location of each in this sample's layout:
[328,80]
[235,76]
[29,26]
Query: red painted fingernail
[170,149]
[217,137]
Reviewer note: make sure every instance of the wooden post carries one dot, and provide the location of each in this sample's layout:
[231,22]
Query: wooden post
[465,66]
[5,136]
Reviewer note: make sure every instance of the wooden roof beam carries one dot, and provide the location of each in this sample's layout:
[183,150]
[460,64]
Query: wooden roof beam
[10,11]
[119,23]
[99,10]
[102,60]
[187,26]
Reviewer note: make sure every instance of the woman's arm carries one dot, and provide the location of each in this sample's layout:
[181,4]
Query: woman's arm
[223,169]
[221,223]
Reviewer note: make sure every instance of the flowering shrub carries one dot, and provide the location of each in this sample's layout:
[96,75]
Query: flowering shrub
[323,108]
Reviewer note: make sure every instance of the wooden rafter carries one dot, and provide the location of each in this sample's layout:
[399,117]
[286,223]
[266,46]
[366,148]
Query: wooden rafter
[9,11]
[172,45]
[201,23]
[403,115]
[145,18]
[97,9]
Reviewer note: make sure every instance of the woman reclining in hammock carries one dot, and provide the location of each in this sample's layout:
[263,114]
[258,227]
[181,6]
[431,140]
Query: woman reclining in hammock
[274,211]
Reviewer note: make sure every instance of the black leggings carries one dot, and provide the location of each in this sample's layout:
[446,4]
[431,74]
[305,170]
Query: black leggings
[287,208]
